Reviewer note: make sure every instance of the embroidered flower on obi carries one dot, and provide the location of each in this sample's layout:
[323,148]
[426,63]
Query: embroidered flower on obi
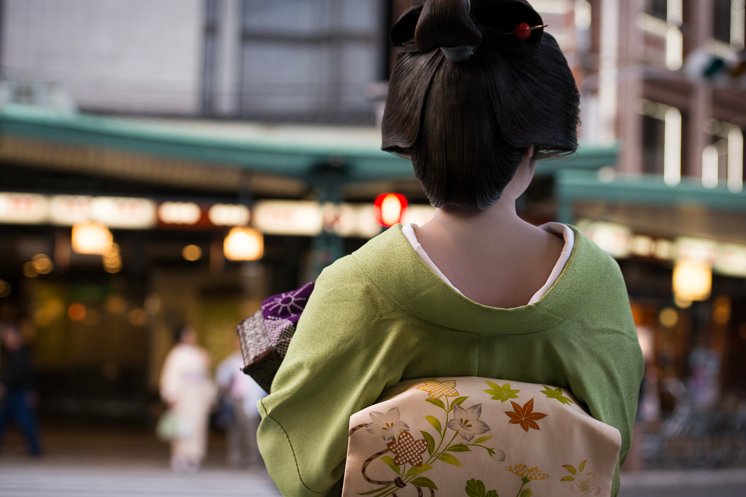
[407,450]
[523,471]
[467,423]
[388,425]
[524,415]
[438,389]
[586,485]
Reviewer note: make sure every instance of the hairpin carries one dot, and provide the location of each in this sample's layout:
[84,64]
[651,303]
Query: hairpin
[524,30]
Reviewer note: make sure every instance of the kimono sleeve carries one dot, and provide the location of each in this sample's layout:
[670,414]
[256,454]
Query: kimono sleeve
[336,365]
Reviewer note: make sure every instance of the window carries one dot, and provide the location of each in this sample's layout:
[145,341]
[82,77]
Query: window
[311,60]
[657,8]
[723,159]
[653,138]
[662,129]
[721,20]
[729,22]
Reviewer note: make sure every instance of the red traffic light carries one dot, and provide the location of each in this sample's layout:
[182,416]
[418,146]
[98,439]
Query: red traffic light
[390,208]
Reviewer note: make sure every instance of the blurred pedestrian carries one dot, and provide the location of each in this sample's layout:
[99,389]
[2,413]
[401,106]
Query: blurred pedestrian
[186,386]
[240,395]
[17,397]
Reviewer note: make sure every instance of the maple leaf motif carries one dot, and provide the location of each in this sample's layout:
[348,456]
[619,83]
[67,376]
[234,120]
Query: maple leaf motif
[503,393]
[524,415]
[556,394]
[407,450]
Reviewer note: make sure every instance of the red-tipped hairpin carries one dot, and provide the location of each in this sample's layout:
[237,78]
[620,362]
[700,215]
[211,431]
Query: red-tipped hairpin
[524,30]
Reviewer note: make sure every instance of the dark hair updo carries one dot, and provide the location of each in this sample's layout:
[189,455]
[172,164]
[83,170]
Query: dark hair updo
[469,94]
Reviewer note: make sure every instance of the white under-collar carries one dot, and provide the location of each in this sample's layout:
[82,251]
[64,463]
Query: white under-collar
[555,228]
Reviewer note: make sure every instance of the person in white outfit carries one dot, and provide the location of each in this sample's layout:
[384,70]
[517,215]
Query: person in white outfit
[186,386]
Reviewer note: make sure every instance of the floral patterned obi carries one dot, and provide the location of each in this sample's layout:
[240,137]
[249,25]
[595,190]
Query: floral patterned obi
[478,437]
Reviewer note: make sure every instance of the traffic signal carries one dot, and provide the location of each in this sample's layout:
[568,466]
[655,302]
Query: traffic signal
[390,208]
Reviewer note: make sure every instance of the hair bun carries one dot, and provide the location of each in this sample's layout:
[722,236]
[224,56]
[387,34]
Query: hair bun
[433,24]
[446,23]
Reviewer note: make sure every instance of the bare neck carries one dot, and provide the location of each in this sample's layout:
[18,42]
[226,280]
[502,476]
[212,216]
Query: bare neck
[477,249]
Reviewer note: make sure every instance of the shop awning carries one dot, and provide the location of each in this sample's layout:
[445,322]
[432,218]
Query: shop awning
[648,205]
[290,151]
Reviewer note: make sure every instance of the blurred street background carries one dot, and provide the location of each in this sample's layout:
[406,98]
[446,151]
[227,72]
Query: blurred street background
[177,161]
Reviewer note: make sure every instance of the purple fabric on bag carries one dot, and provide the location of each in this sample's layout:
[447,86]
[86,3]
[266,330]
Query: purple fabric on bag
[266,335]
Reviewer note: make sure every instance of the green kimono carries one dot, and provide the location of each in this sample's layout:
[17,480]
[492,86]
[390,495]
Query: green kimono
[381,316]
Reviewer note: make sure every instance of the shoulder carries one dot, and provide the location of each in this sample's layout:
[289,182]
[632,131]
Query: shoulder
[365,267]
[591,288]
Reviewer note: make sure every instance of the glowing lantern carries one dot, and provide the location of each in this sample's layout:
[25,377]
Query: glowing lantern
[390,208]
[91,237]
[692,281]
[243,244]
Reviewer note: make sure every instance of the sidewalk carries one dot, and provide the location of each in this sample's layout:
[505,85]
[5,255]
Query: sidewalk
[125,462]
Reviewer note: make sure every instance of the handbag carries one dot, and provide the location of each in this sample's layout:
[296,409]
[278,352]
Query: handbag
[266,335]
[167,427]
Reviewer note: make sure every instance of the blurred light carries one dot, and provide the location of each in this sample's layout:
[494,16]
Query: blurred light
[229,215]
[42,263]
[606,174]
[668,317]
[192,253]
[280,217]
[124,212]
[112,260]
[77,311]
[611,238]
[5,289]
[665,250]
[697,249]
[390,208]
[735,159]
[692,280]
[682,303]
[153,304]
[187,213]
[721,310]
[710,167]
[243,244]
[67,210]
[29,271]
[23,208]
[642,246]
[672,147]
[731,260]
[137,317]
[91,237]
[115,304]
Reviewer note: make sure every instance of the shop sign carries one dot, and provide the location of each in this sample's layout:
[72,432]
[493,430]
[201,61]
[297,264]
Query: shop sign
[179,213]
[288,218]
[731,260]
[22,208]
[66,210]
[229,215]
[123,212]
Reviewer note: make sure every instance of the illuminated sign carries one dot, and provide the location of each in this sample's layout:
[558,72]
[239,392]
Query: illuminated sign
[23,208]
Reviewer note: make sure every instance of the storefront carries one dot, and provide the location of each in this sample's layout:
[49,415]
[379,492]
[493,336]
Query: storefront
[168,194]
[683,254]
